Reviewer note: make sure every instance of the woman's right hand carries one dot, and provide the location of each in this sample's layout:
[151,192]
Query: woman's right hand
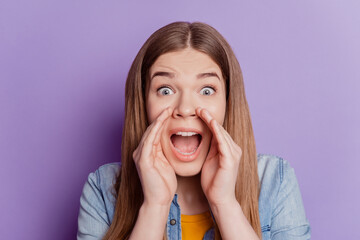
[157,176]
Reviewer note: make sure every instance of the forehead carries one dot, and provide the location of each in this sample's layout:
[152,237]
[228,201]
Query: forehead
[185,61]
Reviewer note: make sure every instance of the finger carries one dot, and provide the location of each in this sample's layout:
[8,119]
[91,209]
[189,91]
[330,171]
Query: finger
[144,147]
[223,144]
[149,140]
[234,151]
[205,116]
[213,148]
[162,118]
[151,126]
[228,138]
[159,132]
[233,145]
[139,150]
[215,128]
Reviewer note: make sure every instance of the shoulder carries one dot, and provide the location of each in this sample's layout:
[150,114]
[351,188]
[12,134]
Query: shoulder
[275,173]
[107,173]
[101,182]
[280,200]
[97,202]
[271,171]
[106,176]
[272,166]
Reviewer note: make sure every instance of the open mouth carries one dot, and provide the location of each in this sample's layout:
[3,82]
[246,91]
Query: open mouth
[186,143]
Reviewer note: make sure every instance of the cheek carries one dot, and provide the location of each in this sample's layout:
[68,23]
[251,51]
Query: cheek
[154,108]
[217,110]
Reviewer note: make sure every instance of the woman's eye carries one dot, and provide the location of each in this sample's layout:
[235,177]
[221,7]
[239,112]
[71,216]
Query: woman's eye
[165,91]
[207,91]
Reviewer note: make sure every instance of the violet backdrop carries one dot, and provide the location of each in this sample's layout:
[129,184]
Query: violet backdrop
[63,66]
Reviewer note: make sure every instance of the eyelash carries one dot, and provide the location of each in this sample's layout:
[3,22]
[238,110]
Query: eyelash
[211,86]
[207,86]
[164,86]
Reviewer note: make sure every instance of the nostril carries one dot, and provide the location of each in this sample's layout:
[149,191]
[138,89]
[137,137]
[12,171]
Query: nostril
[183,112]
[180,115]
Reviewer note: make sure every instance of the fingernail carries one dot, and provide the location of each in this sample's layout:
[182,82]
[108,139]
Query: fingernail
[197,112]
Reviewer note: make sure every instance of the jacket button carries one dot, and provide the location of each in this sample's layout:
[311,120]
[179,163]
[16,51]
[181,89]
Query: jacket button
[172,221]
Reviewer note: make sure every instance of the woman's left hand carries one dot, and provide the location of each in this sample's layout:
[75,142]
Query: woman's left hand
[220,169]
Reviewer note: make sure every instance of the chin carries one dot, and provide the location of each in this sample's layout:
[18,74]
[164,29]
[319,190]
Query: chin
[187,170]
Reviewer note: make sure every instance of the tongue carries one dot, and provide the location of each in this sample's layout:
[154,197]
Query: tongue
[185,144]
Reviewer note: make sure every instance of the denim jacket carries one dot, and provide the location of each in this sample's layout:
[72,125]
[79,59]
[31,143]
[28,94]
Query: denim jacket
[282,215]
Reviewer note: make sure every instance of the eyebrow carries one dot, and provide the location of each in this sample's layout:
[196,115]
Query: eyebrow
[164,74]
[199,76]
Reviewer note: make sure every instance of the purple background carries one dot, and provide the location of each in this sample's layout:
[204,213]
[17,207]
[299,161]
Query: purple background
[63,66]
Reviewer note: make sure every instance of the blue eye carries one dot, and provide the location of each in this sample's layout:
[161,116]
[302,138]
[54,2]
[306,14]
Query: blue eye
[165,91]
[207,91]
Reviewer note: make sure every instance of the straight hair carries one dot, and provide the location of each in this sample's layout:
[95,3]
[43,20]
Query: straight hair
[177,36]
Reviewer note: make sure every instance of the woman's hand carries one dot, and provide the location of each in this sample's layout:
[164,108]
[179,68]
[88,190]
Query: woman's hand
[157,176]
[220,169]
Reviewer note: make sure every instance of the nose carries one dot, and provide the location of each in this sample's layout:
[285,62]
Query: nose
[185,106]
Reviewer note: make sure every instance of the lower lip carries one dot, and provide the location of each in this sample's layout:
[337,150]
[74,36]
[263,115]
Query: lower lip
[186,158]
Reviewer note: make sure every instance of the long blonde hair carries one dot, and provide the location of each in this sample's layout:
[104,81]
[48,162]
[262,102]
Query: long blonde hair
[174,37]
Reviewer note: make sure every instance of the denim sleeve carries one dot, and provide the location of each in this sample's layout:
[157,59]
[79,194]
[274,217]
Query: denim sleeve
[288,217]
[93,220]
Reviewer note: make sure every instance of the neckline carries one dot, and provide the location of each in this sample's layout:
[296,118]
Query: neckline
[196,217]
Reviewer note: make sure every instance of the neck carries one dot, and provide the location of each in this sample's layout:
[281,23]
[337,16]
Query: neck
[191,197]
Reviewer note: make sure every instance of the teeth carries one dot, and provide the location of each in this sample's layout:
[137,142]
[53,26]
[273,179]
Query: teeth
[186,134]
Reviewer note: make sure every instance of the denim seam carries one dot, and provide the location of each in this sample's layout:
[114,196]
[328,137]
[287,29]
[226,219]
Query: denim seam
[289,229]
[100,188]
[281,170]
[168,228]
[97,178]
[179,219]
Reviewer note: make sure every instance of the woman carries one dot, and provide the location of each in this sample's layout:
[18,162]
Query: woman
[189,166]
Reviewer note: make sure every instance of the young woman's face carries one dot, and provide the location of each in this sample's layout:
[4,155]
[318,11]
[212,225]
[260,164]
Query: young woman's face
[185,80]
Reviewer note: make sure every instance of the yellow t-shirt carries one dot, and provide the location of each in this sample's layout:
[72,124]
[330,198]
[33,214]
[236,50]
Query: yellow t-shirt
[194,227]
